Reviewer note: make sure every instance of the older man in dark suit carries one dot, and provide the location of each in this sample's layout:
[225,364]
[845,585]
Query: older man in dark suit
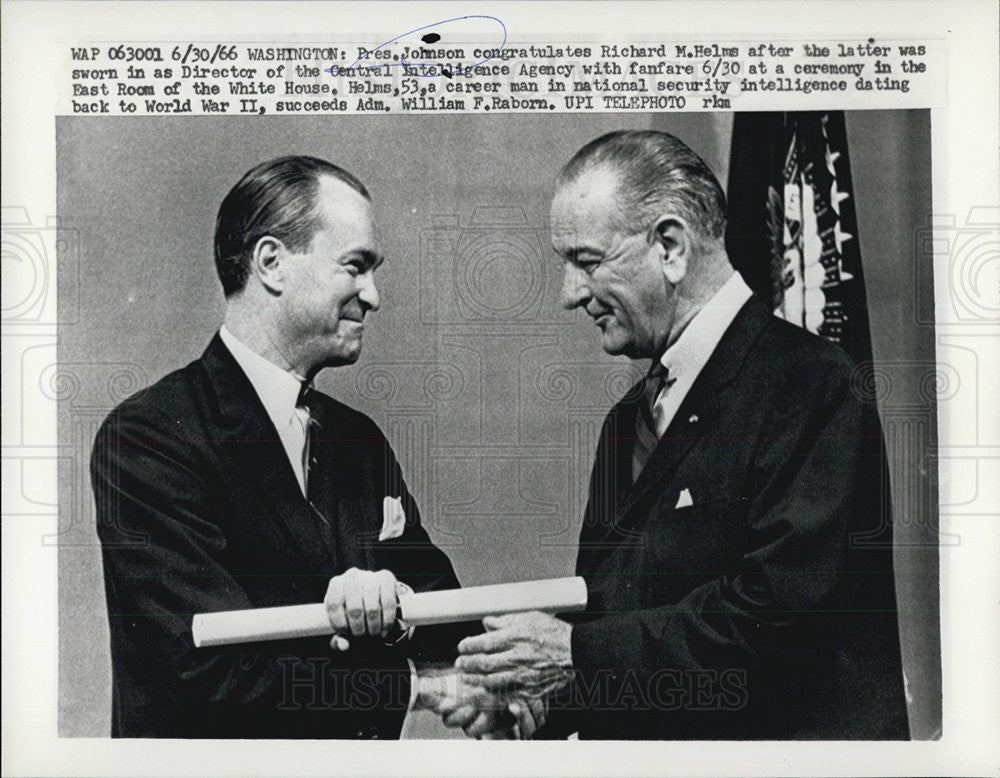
[233,484]
[737,539]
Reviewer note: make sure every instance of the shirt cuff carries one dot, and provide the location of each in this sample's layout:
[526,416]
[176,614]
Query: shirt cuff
[407,632]
[414,687]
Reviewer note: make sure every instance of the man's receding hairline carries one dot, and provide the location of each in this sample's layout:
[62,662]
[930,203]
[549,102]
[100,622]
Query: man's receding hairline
[610,170]
[600,169]
[328,176]
[324,182]
[591,167]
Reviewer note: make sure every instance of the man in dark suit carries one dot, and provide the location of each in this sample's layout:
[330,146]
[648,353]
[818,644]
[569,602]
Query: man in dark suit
[737,540]
[232,484]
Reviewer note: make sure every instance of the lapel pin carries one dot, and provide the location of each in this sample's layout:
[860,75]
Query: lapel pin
[693,419]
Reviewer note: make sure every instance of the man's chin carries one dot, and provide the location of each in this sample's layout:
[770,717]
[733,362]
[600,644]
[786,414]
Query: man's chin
[344,356]
[614,346]
[627,349]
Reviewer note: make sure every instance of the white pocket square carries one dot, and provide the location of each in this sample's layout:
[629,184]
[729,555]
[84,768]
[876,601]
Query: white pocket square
[684,499]
[393,518]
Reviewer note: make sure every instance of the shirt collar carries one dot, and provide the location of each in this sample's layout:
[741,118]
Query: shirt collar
[277,388]
[689,353]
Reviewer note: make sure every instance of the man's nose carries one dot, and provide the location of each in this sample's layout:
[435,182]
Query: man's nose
[575,291]
[368,293]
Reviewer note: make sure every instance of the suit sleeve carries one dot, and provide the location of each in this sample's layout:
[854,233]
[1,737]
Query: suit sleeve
[809,479]
[165,560]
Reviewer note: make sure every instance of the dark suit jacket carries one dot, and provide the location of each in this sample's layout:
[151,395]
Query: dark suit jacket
[765,609]
[199,511]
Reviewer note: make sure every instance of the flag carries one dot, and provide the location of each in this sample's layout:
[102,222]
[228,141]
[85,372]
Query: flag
[792,230]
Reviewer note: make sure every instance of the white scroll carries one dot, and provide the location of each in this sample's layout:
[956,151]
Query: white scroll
[554,595]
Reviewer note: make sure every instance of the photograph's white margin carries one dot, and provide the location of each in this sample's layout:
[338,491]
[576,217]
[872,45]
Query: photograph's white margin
[965,174]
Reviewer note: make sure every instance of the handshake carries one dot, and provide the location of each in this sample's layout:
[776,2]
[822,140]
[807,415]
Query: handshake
[501,681]
[481,710]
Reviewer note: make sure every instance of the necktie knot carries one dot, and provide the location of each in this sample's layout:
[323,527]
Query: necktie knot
[657,377]
[309,400]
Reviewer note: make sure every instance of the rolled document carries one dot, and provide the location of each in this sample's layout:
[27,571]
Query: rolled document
[554,595]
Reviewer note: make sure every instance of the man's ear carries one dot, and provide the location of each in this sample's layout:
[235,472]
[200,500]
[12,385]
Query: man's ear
[673,236]
[267,263]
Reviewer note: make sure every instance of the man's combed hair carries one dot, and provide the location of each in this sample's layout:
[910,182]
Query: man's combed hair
[276,198]
[657,173]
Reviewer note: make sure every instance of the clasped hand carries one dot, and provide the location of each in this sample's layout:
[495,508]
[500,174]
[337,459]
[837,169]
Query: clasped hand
[362,602]
[529,654]
[480,713]
[507,675]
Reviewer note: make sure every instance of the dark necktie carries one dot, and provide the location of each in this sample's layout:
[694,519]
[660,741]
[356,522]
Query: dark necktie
[309,401]
[646,436]
[316,492]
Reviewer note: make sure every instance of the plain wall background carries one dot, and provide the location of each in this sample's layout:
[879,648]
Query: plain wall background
[491,394]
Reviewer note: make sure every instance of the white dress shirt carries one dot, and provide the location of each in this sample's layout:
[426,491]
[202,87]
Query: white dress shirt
[686,357]
[278,391]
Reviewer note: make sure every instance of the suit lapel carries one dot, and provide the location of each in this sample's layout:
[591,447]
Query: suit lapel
[611,484]
[611,481]
[249,436]
[345,478]
[694,418]
[357,525]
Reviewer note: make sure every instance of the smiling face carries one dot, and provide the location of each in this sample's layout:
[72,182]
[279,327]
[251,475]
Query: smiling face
[330,286]
[615,276]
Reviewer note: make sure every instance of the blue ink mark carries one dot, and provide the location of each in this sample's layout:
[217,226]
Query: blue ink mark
[407,67]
